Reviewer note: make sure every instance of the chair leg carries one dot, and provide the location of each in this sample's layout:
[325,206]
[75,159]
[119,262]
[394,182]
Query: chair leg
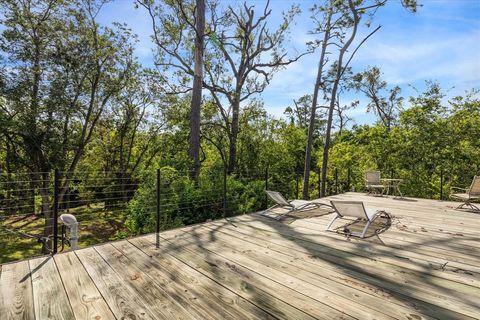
[264,212]
[400,192]
[305,206]
[369,222]
[365,229]
[280,216]
[471,206]
[331,222]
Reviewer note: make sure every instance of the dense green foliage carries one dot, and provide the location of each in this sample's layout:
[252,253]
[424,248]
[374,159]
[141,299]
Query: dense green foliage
[432,137]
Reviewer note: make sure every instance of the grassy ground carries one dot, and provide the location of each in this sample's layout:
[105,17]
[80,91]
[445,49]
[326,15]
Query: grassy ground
[96,225]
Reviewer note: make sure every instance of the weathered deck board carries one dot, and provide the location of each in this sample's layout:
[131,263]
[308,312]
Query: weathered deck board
[373,271]
[204,296]
[425,246]
[263,292]
[422,256]
[426,265]
[86,301]
[435,305]
[121,299]
[158,301]
[49,296]
[334,277]
[358,250]
[459,306]
[16,298]
[292,277]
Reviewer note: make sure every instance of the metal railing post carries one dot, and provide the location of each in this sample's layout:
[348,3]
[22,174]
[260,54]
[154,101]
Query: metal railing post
[348,178]
[297,180]
[336,181]
[441,184]
[319,183]
[157,243]
[266,187]
[56,187]
[224,191]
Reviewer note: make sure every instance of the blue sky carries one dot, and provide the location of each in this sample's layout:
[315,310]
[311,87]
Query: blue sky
[441,42]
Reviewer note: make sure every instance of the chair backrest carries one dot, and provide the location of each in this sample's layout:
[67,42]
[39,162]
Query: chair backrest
[350,209]
[372,177]
[277,198]
[474,189]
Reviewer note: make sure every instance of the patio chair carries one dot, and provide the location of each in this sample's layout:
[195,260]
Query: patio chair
[468,194]
[289,206]
[373,183]
[357,210]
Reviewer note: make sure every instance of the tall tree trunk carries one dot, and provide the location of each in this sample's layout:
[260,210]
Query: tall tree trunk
[313,111]
[333,96]
[195,105]
[327,140]
[232,159]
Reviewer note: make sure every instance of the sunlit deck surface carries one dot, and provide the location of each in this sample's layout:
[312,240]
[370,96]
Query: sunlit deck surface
[254,267]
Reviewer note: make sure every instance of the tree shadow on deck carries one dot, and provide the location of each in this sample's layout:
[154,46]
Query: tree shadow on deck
[290,233]
[220,270]
[32,271]
[345,262]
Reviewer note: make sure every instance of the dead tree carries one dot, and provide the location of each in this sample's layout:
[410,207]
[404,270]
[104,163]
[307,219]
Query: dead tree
[238,68]
[195,106]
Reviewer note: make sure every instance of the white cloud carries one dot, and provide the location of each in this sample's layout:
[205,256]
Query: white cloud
[441,42]
[455,58]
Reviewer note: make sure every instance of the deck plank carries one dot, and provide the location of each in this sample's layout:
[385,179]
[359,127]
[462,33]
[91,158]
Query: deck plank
[373,271]
[434,308]
[121,299]
[362,249]
[161,303]
[426,246]
[16,296]
[194,290]
[279,301]
[84,297]
[424,211]
[401,247]
[294,278]
[403,305]
[49,296]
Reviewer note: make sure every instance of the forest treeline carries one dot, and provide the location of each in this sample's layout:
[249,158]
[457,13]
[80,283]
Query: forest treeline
[74,97]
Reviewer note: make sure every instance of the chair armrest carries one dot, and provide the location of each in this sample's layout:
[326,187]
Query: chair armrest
[459,189]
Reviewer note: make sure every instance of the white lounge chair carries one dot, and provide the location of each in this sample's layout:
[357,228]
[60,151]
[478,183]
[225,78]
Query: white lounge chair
[289,206]
[468,194]
[357,210]
[373,183]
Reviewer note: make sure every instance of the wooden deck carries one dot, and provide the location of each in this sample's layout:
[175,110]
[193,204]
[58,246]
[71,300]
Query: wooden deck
[426,265]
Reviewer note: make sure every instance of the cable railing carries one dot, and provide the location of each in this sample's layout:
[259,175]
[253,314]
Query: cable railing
[114,205]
